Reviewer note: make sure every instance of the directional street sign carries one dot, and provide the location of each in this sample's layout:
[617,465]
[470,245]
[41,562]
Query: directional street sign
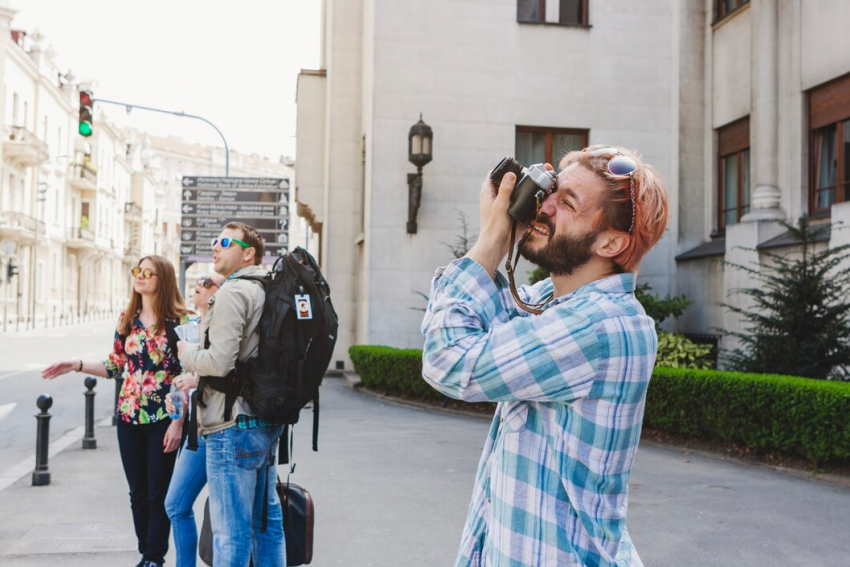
[208,203]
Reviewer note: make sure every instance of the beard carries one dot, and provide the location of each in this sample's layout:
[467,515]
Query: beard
[563,254]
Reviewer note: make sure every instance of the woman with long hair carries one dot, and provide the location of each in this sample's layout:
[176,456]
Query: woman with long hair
[190,472]
[145,353]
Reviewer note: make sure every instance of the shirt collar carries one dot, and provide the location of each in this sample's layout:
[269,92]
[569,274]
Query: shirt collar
[618,283]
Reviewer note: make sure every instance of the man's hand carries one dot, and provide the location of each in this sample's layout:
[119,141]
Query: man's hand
[187,381]
[183,346]
[493,240]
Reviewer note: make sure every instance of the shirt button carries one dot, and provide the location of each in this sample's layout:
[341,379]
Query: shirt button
[501,420]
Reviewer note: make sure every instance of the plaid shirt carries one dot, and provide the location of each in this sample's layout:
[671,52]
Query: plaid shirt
[551,487]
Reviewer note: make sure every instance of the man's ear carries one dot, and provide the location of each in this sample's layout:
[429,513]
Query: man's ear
[612,243]
[249,254]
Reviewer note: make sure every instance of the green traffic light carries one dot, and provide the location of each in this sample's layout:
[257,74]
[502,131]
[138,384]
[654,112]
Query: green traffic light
[85,129]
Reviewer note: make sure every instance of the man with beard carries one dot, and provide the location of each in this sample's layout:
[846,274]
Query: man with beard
[551,488]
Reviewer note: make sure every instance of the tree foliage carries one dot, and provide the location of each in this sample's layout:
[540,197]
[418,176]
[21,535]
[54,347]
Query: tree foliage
[799,322]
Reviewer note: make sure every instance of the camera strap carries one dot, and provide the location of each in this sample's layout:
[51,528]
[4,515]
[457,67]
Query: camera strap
[534,308]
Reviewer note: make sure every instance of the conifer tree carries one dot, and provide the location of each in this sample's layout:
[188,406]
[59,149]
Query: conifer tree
[800,320]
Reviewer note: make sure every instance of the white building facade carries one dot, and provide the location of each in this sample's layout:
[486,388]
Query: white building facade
[727,98]
[76,214]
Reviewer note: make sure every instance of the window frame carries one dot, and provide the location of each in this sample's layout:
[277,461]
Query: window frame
[720,12]
[585,19]
[829,104]
[550,135]
[733,140]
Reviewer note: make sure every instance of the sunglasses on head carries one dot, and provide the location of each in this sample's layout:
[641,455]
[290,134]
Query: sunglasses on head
[206,282]
[620,165]
[226,242]
[147,273]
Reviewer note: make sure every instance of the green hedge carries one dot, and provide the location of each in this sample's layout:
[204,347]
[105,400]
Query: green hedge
[767,413]
[393,371]
[793,416]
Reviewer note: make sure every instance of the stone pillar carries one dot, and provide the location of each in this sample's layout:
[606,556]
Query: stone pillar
[764,119]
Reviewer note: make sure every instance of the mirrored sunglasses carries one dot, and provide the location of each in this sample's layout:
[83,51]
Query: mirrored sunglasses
[226,242]
[207,283]
[147,273]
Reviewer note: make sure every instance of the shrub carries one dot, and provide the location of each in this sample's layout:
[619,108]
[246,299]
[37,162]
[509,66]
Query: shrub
[678,351]
[767,413]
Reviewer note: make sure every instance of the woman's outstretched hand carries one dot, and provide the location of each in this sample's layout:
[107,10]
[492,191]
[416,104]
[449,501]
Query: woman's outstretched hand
[58,369]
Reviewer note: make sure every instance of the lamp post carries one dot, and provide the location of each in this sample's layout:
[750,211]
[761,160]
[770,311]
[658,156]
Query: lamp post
[419,154]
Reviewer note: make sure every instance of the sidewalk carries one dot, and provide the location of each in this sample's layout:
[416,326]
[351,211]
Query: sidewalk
[81,519]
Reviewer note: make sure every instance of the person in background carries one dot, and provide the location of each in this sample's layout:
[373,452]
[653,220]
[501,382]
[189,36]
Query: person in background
[241,447]
[145,349]
[190,472]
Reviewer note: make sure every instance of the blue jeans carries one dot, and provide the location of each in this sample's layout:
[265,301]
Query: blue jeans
[239,475]
[187,481]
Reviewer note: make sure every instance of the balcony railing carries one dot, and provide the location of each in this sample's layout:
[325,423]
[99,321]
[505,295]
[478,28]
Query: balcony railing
[20,221]
[23,147]
[84,177]
[80,233]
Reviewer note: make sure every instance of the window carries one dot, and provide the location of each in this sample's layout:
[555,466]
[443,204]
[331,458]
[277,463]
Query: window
[734,185]
[570,12]
[829,120]
[539,145]
[723,8]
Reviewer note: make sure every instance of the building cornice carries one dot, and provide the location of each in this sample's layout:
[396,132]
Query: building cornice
[20,56]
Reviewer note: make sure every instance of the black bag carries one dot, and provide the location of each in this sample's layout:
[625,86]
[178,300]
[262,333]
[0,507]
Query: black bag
[298,331]
[297,506]
[298,519]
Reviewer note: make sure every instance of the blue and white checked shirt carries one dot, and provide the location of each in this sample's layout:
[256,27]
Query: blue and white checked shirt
[551,488]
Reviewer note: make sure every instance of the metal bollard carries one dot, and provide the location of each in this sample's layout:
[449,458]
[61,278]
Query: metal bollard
[119,383]
[41,476]
[89,442]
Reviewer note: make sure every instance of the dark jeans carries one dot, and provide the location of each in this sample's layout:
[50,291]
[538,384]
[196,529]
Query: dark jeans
[148,472]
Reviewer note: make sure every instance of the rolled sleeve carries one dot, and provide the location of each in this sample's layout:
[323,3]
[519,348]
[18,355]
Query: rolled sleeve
[475,351]
[117,360]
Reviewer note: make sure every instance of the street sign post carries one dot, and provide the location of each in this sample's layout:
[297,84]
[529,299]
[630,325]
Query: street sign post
[208,203]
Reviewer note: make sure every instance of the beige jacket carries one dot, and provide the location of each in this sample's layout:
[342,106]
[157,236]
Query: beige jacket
[231,322]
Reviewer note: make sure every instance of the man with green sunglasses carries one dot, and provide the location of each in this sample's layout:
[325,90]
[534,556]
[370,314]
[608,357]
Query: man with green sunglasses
[239,445]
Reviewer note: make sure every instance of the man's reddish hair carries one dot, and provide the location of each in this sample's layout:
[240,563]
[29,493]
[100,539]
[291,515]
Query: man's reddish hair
[615,208]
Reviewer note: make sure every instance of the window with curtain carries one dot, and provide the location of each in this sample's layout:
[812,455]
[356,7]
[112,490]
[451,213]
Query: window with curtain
[547,145]
[570,12]
[734,177]
[829,148]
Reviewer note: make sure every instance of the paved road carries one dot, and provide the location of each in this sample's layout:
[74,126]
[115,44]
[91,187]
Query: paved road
[391,486]
[22,357]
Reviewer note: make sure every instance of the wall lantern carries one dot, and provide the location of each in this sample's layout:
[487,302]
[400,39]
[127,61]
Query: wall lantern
[419,154]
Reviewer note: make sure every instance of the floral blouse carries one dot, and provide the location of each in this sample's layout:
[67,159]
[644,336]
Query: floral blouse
[150,367]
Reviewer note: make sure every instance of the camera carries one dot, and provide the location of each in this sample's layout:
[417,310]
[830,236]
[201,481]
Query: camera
[534,184]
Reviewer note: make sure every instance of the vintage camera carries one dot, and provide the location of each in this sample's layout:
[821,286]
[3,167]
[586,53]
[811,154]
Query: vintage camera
[534,184]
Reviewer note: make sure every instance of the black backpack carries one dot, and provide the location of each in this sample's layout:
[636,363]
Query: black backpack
[298,330]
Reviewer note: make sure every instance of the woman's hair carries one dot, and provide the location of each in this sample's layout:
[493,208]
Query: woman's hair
[651,210]
[169,300]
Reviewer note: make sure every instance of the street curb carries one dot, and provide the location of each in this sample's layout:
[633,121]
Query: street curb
[354,382]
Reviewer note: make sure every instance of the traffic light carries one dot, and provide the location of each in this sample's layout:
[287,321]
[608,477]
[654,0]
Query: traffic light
[11,271]
[86,106]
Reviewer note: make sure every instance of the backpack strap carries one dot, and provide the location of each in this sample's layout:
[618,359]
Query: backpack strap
[316,422]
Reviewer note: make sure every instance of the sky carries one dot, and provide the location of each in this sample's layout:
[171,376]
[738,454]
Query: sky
[234,62]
